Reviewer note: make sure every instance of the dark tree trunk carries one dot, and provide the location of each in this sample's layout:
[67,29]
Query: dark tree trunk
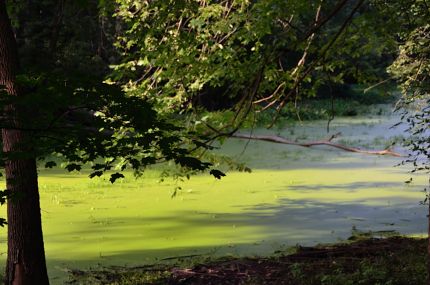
[428,237]
[26,257]
[428,232]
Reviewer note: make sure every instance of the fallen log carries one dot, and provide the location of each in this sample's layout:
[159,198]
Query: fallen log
[327,142]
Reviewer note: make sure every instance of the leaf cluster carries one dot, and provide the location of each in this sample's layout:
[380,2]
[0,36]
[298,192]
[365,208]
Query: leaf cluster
[81,120]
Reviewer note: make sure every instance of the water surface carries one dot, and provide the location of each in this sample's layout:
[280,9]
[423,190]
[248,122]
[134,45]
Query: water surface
[293,196]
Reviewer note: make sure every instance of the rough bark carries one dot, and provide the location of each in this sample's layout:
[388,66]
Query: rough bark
[26,257]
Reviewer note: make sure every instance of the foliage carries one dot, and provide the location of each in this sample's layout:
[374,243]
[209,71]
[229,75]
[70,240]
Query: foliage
[67,110]
[248,54]
[412,66]
[49,37]
[84,121]
[173,56]
[412,69]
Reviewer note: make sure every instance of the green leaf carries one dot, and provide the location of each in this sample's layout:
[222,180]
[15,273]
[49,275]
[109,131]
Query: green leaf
[73,166]
[192,162]
[115,176]
[98,166]
[4,195]
[217,174]
[50,164]
[96,173]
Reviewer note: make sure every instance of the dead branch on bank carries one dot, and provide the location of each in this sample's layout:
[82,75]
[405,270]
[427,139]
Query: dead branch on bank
[327,142]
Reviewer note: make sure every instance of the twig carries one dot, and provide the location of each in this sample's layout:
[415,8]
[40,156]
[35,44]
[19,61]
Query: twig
[376,85]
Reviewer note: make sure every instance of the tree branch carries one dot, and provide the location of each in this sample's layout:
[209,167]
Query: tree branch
[327,142]
[311,66]
[320,22]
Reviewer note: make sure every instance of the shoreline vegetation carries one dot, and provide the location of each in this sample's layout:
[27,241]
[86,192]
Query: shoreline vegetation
[349,101]
[363,259]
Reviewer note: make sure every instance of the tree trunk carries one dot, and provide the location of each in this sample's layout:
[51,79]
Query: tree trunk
[26,257]
[428,242]
[428,234]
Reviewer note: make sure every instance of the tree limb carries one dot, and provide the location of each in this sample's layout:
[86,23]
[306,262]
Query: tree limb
[327,142]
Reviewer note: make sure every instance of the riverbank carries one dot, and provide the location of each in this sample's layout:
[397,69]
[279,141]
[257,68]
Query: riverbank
[394,260]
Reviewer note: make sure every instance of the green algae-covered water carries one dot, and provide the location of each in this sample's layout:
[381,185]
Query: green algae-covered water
[293,196]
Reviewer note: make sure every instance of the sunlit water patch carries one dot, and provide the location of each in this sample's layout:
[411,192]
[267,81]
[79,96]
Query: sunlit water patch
[293,196]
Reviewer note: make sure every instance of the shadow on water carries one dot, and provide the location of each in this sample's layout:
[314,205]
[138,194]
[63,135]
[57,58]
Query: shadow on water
[274,227]
[350,187]
[285,221]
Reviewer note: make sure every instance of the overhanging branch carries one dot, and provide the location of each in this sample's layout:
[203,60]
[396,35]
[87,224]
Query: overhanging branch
[327,142]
